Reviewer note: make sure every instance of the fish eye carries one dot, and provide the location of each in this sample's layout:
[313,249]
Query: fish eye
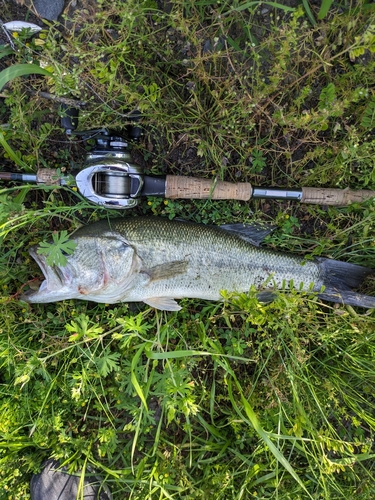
[122,249]
[120,246]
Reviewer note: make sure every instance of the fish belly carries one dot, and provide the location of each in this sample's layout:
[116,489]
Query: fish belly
[209,272]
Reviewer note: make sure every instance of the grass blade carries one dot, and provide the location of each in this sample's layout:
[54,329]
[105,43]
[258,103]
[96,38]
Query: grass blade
[12,155]
[324,8]
[5,51]
[254,5]
[274,450]
[175,354]
[248,5]
[21,70]
[309,14]
[188,353]
[253,419]
[133,376]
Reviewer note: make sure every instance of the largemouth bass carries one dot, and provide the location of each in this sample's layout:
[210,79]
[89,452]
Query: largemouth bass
[156,261]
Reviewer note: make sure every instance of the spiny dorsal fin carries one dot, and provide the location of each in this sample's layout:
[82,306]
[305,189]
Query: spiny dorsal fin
[253,233]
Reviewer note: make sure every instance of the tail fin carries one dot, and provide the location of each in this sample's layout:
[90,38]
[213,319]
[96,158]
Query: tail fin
[340,278]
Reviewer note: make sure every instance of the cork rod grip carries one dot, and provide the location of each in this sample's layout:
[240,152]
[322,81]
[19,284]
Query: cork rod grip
[47,176]
[337,197]
[193,188]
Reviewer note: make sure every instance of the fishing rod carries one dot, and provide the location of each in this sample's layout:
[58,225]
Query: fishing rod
[111,179]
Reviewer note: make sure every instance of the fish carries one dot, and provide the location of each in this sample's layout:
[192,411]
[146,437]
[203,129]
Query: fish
[158,261]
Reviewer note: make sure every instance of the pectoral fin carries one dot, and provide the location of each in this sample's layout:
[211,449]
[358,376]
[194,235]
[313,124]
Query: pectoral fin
[163,303]
[167,270]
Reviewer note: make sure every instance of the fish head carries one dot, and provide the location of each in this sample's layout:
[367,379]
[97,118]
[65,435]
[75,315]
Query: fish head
[101,269]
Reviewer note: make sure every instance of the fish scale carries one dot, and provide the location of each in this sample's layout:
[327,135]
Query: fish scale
[217,260]
[157,260]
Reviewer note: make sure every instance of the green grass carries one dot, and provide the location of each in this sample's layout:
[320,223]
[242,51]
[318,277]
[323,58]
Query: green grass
[235,400]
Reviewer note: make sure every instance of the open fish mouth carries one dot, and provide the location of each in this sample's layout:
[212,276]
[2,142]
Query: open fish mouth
[54,284]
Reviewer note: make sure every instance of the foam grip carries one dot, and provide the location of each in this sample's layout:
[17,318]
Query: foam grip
[195,188]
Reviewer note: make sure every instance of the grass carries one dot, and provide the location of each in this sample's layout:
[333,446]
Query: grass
[236,400]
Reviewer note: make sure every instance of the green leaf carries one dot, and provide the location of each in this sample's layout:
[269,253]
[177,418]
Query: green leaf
[133,376]
[10,206]
[12,154]
[5,51]
[255,4]
[327,96]
[20,70]
[107,362]
[368,118]
[55,251]
[259,162]
[324,8]
[309,14]
[81,327]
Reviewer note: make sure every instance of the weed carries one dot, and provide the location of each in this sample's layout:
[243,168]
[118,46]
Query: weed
[237,399]
[57,250]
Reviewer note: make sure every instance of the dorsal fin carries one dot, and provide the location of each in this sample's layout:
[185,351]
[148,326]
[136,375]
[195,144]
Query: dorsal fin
[253,233]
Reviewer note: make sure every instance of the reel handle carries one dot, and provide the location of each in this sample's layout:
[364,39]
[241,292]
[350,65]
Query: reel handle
[69,118]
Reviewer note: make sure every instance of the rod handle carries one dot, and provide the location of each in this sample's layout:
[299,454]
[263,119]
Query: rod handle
[177,186]
[336,197]
[47,176]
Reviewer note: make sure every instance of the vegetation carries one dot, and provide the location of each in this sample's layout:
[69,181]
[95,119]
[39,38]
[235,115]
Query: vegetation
[235,400]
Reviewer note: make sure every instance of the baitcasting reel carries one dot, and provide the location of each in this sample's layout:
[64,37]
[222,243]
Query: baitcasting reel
[109,177]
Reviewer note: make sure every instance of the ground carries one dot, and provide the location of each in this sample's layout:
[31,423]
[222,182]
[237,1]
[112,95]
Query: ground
[179,154]
[232,400]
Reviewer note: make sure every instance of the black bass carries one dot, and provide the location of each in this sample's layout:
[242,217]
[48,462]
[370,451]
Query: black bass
[156,261]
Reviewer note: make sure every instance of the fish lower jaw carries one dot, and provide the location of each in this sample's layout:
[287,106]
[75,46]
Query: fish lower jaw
[46,295]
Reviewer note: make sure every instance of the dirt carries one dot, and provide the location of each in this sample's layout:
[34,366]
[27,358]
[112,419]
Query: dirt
[183,155]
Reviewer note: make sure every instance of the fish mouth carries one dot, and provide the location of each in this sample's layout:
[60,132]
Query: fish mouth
[55,285]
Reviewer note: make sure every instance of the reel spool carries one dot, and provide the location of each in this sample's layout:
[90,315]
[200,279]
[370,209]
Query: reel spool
[108,177]
[111,183]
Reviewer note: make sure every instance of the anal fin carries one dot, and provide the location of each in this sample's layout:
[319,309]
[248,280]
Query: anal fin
[348,297]
[163,303]
[266,296]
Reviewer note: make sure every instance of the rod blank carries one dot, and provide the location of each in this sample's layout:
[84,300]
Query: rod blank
[195,188]
[10,176]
